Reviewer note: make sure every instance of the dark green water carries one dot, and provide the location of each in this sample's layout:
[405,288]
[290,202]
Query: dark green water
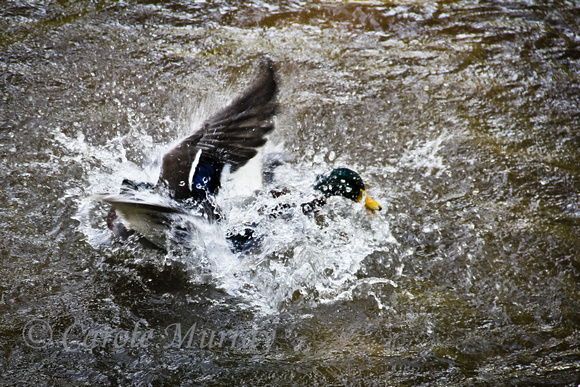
[463,117]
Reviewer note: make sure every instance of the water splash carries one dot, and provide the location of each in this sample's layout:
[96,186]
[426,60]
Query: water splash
[302,259]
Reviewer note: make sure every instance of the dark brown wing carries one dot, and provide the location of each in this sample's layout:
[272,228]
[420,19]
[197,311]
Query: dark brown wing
[229,137]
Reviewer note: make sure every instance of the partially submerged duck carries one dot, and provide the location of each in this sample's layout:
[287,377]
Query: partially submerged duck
[191,173]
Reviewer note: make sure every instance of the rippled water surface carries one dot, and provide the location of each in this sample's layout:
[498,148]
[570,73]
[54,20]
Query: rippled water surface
[463,118]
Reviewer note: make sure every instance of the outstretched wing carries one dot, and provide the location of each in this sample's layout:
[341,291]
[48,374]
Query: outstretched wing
[229,137]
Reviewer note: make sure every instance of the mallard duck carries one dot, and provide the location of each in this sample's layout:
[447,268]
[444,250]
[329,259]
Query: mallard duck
[191,172]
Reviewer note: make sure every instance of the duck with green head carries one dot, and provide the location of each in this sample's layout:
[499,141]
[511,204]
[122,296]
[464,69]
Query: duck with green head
[191,172]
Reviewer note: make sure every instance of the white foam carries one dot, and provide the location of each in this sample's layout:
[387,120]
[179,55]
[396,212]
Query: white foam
[303,258]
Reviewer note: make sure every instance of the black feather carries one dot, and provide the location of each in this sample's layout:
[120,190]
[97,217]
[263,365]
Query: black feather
[229,137]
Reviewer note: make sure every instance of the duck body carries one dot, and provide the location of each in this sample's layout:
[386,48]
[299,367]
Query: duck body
[191,172]
[183,198]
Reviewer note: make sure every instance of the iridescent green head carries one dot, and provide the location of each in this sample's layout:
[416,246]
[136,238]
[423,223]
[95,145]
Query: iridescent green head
[346,183]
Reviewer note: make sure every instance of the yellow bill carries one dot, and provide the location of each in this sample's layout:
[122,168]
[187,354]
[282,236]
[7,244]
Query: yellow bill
[369,202]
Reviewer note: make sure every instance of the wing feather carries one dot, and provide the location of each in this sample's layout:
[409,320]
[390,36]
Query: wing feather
[229,137]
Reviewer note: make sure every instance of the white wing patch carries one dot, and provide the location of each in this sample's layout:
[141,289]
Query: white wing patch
[193,167]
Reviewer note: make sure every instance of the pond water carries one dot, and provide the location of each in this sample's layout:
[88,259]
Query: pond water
[462,117]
